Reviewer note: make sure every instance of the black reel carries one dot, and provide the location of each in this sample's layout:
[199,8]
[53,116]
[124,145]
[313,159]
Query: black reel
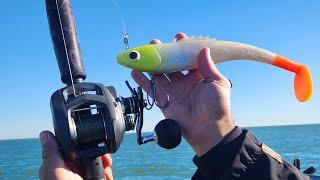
[91,123]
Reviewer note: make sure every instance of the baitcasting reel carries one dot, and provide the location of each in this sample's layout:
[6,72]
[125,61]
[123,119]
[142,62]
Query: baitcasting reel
[94,121]
[90,119]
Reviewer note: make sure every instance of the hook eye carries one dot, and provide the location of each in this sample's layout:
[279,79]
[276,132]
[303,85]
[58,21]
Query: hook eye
[134,55]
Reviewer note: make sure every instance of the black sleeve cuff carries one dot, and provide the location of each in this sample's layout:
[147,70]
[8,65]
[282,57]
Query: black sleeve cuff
[215,161]
[240,155]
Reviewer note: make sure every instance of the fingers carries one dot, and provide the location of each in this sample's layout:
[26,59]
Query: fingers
[142,81]
[108,173]
[73,166]
[207,67]
[176,76]
[194,75]
[50,150]
[140,78]
[157,77]
[107,162]
[155,41]
[180,35]
[51,156]
[160,80]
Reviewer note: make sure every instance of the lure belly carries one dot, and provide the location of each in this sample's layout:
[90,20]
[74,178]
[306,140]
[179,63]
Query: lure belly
[182,55]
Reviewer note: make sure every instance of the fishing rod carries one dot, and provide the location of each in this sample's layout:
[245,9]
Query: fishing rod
[90,119]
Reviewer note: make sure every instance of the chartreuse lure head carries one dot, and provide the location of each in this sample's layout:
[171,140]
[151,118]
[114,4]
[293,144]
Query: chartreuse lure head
[143,58]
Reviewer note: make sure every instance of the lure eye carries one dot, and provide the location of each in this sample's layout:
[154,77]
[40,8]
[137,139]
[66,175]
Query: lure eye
[134,55]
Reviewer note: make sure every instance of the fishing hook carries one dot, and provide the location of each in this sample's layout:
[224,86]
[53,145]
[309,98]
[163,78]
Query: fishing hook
[153,96]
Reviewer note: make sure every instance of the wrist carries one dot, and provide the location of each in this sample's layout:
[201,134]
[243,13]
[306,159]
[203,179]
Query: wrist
[210,135]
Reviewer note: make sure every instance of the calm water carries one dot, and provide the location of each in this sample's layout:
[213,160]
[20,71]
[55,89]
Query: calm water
[20,159]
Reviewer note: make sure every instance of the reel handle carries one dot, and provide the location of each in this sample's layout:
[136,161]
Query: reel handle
[65,40]
[92,169]
[167,134]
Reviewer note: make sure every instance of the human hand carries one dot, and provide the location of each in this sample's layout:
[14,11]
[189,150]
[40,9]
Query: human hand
[199,100]
[55,167]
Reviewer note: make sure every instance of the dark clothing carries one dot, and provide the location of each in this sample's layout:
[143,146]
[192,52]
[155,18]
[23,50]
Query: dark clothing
[240,155]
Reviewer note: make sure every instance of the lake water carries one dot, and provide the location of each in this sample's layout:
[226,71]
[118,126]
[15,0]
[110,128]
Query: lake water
[20,159]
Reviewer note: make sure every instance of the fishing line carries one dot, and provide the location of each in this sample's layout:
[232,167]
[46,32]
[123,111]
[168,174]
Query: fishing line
[66,50]
[126,43]
[126,35]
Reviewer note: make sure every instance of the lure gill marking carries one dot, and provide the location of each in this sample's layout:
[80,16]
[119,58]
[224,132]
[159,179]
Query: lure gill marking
[182,55]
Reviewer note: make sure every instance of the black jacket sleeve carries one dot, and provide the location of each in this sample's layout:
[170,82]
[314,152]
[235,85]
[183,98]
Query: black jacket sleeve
[240,155]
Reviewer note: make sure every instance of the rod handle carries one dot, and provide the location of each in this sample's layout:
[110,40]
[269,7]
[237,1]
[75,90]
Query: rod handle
[65,41]
[92,169]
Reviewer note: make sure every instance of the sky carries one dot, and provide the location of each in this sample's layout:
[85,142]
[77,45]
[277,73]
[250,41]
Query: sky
[261,94]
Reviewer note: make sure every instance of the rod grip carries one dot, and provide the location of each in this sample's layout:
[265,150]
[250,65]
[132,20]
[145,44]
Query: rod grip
[92,169]
[65,40]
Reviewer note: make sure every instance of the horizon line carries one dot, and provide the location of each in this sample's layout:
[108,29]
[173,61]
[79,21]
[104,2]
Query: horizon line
[132,132]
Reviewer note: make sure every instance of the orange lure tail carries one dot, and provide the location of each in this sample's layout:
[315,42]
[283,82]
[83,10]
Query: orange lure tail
[302,79]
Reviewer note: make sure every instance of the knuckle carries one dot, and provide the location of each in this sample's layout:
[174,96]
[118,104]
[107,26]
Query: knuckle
[45,153]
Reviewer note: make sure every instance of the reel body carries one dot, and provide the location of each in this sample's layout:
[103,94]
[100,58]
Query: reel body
[90,124]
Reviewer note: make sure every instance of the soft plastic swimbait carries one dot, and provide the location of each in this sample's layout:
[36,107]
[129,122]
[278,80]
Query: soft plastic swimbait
[182,55]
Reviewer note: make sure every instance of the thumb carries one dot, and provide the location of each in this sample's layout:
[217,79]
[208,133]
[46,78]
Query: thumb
[207,67]
[107,162]
[51,156]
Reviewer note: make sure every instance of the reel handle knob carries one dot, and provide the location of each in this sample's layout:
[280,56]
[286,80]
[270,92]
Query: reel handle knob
[168,133]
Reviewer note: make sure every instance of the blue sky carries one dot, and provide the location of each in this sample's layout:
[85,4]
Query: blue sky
[261,95]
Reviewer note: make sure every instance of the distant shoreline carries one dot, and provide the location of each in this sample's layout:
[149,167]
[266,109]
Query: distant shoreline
[131,132]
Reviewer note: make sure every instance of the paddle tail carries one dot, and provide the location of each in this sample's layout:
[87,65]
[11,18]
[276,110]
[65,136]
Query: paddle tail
[302,79]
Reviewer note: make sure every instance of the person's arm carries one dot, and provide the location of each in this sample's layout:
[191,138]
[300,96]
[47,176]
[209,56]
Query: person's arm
[240,155]
[200,103]
[55,167]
